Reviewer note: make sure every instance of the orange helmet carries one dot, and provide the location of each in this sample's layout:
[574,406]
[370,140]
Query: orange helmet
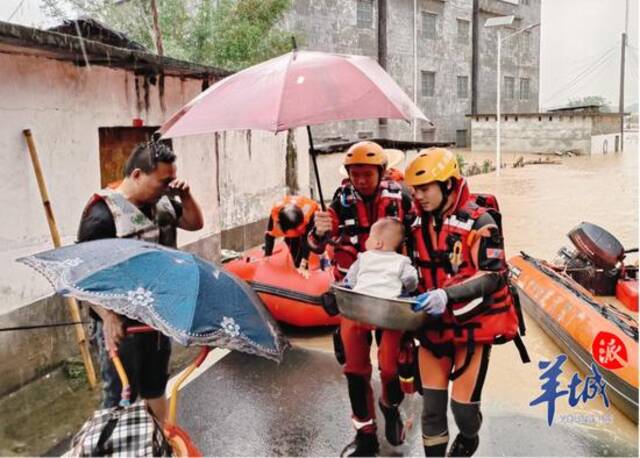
[432,164]
[365,153]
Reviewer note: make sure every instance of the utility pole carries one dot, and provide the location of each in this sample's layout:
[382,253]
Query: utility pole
[475,33]
[621,107]
[622,58]
[382,54]
[415,66]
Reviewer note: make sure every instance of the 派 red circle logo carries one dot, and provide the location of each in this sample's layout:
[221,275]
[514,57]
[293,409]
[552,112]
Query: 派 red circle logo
[609,351]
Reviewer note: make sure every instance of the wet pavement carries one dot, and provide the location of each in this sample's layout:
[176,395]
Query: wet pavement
[250,411]
[246,406]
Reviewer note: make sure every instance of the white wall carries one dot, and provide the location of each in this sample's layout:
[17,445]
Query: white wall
[64,106]
[604,144]
[252,173]
[533,134]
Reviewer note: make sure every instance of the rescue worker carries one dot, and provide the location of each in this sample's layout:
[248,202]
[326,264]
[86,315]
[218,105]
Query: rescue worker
[292,218]
[357,204]
[459,253]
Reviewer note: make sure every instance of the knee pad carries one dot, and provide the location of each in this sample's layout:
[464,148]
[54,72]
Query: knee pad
[468,417]
[434,412]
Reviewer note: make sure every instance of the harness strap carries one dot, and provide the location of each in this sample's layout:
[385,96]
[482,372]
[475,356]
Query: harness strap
[471,349]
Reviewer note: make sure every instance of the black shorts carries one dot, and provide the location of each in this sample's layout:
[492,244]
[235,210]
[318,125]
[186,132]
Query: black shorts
[145,358]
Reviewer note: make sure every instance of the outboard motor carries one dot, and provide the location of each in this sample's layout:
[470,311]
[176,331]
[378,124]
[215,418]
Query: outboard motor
[596,261]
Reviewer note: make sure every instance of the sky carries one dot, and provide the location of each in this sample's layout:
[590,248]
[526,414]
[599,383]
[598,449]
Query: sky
[579,48]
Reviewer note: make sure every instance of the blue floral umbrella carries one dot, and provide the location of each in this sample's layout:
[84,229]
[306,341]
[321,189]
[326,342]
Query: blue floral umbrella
[180,294]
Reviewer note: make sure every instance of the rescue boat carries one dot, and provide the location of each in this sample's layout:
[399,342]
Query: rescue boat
[587,302]
[290,297]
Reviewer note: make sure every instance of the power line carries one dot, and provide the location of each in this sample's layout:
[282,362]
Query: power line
[595,75]
[583,73]
[15,10]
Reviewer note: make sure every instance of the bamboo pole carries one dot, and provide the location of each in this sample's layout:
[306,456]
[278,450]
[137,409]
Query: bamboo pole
[55,236]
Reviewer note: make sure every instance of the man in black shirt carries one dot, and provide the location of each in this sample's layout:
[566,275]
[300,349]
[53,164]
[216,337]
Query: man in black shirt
[139,208]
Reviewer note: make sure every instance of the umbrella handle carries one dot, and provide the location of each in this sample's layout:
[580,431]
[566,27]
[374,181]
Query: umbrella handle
[173,402]
[125,395]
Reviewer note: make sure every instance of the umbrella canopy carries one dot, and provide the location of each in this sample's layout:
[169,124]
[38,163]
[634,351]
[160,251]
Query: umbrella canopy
[296,89]
[180,294]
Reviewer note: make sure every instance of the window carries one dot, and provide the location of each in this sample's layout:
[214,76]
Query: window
[461,138]
[526,43]
[364,13]
[363,134]
[429,135]
[524,2]
[508,89]
[429,25]
[428,84]
[463,31]
[463,87]
[524,88]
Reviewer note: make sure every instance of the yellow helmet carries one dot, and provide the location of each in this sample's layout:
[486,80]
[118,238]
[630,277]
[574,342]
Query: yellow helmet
[432,164]
[365,153]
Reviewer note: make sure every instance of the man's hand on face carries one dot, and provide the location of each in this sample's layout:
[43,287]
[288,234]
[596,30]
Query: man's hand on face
[180,188]
[113,330]
[323,223]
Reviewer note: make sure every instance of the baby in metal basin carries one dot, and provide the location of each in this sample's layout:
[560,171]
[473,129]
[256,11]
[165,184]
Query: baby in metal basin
[381,271]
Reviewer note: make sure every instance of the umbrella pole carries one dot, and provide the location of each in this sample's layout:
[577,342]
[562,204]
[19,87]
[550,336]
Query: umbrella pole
[313,153]
[55,236]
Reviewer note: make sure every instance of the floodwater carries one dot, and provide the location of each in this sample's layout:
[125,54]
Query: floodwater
[540,204]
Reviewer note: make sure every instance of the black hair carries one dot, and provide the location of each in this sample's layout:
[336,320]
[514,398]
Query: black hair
[146,156]
[290,216]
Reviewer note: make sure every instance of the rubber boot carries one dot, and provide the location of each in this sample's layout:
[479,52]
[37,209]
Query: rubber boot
[435,450]
[393,425]
[366,443]
[464,446]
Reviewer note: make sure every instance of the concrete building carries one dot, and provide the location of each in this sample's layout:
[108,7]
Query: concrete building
[79,100]
[576,130]
[448,77]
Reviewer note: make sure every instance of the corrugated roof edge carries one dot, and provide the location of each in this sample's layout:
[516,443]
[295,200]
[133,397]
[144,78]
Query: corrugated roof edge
[68,47]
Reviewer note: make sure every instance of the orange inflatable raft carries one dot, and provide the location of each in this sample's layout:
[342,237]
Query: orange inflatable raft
[290,297]
[579,320]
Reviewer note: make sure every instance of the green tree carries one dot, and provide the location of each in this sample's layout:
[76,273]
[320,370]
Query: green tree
[231,34]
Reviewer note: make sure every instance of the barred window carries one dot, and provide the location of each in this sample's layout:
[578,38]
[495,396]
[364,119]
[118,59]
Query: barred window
[463,87]
[364,13]
[428,83]
[524,88]
[463,31]
[509,84]
[429,25]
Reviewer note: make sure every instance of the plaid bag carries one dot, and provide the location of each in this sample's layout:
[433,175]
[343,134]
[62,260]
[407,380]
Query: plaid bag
[121,431]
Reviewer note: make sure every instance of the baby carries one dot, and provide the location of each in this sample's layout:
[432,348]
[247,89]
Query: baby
[381,271]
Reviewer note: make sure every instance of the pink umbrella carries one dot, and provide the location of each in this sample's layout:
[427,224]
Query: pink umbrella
[300,88]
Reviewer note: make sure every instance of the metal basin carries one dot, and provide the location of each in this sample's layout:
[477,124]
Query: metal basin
[379,312]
